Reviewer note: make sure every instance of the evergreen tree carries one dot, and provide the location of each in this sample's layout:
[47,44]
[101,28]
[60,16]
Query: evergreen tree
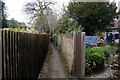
[93,16]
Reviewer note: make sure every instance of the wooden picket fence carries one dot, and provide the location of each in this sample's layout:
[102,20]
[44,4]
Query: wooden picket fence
[23,54]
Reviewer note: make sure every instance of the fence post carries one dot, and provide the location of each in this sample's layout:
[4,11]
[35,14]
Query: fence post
[119,45]
[0,54]
[79,55]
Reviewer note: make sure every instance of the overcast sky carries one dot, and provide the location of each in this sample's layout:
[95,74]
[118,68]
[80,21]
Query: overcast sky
[15,8]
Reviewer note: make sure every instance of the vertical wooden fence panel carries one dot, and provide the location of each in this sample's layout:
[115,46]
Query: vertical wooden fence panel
[4,55]
[79,55]
[8,53]
[22,56]
[11,53]
[27,51]
[40,60]
[16,54]
[83,54]
[36,55]
[0,54]
[20,52]
[27,54]
[32,55]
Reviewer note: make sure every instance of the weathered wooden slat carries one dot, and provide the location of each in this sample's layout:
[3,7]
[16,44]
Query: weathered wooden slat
[0,54]
[35,56]
[10,54]
[16,52]
[40,51]
[22,56]
[79,55]
[27,54]
[13,54]
[20,51]
[32,55]
[5,55]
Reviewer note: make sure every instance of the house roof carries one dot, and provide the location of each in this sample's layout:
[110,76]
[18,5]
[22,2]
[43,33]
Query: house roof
[116,25]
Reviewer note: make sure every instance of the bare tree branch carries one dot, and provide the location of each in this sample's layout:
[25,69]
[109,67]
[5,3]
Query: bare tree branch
[33,8]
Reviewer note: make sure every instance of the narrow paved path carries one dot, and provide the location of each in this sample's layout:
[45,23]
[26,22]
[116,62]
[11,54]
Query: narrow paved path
[56,69]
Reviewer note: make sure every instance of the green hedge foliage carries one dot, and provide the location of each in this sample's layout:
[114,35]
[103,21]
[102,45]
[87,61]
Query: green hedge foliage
[96,58]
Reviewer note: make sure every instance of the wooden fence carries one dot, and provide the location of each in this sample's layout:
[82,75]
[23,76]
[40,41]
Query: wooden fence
[23,54]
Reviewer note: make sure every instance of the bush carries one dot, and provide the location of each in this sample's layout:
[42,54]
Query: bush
[106,50]
[114,44]
[88,70]
[20,30]
[94,62]
[97,57]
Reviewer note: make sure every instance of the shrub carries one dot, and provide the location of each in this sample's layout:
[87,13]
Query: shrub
[97,57]
[94,62]
[114,44]
[88,70]
[20,30]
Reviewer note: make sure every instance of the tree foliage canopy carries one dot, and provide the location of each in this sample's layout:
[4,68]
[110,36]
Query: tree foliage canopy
[3,21]
[66,25]
[12,23]
[93,16]
[41,23]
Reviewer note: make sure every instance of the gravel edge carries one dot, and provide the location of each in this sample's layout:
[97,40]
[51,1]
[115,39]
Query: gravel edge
[44,71]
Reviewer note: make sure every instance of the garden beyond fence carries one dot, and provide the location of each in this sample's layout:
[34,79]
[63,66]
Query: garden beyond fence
[22,54]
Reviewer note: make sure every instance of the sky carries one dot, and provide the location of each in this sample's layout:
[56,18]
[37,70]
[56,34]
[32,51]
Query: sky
[15,8]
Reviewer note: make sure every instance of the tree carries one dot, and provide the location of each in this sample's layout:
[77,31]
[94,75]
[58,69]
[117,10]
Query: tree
[12,23]
[51,18]
[93,16]
[63,24]
[67,25]
[37,11]
[3,21]
[41,23]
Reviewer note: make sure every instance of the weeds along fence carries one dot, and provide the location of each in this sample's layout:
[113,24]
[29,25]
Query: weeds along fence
[23,54]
